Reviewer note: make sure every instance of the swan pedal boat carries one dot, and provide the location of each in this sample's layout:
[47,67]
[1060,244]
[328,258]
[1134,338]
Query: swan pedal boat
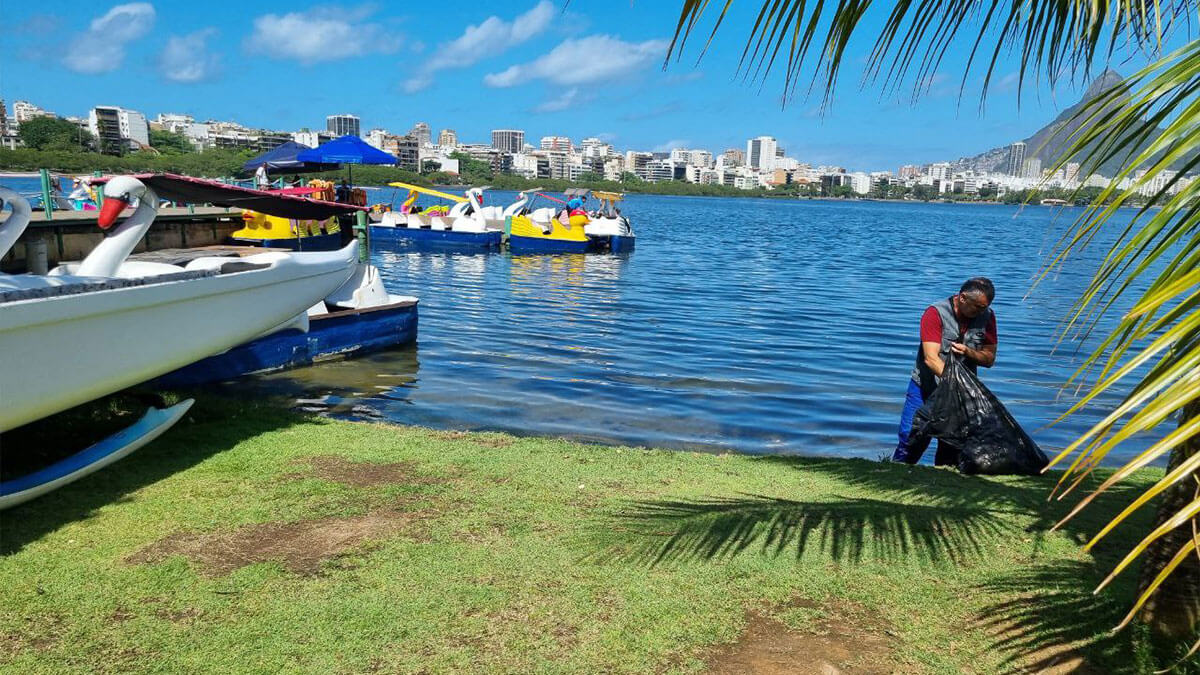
[151,318]
[542,230]
[468,225]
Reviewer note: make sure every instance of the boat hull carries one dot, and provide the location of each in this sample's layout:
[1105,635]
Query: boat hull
[93,458]
[435,239]
[519,244]
[320,242]
[332,336]
[612,244]
[66,350]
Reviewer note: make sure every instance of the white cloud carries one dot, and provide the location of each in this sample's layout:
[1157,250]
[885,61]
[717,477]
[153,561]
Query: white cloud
[1007,83]
[595,58]
[318,34]
[672,144]
[493,36]
[101,47]
[186,57]
[567,99]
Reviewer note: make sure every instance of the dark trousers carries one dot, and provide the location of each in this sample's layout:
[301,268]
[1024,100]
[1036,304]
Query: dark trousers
[910,453]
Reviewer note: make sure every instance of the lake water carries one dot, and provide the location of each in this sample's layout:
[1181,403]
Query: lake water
[750,325]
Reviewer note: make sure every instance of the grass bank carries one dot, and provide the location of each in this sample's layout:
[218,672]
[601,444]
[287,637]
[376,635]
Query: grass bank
[255,539]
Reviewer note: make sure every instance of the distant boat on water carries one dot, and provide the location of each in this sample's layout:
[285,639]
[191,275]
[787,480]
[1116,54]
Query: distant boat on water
[1054,202]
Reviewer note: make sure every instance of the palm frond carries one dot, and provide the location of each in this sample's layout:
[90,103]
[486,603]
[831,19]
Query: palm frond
[1054,39]
[1148,123]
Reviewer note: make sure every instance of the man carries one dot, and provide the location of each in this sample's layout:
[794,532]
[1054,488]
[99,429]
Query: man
[261,181]
[964,325]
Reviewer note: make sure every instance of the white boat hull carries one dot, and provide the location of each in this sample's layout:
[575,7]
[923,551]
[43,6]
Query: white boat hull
[63,351]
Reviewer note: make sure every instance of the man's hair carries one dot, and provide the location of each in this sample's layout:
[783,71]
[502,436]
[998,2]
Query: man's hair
[980,285]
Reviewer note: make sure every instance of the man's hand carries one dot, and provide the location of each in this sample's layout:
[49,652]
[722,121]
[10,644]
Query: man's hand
[985,357]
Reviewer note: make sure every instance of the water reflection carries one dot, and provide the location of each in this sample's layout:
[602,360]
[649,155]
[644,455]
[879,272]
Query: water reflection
[790,329]
[353,387]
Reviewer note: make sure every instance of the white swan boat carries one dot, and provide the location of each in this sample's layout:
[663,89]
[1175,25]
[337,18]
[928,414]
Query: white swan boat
[607,228]
[468,224]
[88,330]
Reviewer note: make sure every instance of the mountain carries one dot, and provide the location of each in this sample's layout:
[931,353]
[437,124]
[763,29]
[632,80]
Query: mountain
[1050,141]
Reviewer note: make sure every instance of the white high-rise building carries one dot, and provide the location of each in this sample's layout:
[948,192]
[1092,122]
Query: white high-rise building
[939,171]
[311,138]
[340,125]
[1032,168]
[595,148]
[112,125]
[23,111]
[377,138]
[508,140]
[422,133]
[681,156]
[1016,158]
[701,158]
[760,153]
[1072,172]
[557,144]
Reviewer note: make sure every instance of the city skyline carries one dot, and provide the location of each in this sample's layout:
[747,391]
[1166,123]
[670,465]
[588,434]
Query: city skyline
[529,65]
[763,164]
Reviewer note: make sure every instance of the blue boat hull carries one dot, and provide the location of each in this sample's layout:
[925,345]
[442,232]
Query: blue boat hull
[613,244]
[336,335]
[621,244]
[518,245]
[93,458]
[320,242]
[438,239]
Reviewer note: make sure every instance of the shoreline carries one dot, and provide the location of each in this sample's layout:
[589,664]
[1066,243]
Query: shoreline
[257,534]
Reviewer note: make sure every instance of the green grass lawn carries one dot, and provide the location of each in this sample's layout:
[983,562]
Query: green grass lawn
[252,539]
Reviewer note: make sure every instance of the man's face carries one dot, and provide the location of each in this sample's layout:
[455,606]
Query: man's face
[971,305]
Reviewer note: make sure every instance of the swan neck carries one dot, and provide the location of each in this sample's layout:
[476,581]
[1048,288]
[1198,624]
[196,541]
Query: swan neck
[17,221]
[106,258]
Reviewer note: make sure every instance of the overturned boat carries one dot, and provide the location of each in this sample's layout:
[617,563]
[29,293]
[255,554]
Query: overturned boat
[146,319]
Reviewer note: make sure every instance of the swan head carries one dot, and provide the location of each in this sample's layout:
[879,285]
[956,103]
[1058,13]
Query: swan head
[119,193]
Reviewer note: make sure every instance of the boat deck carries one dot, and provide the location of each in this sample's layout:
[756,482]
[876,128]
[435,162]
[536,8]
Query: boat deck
[182,256]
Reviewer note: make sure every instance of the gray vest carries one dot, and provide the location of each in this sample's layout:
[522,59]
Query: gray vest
[972,337]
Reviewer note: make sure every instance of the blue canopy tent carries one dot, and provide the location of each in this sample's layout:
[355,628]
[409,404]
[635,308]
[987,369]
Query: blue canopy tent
[283,159]
[348,149]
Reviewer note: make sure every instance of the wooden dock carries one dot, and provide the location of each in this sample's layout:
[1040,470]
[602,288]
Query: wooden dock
[170,214]
[69,235]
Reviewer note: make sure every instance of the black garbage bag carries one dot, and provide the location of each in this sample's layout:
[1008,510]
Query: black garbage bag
[966,414]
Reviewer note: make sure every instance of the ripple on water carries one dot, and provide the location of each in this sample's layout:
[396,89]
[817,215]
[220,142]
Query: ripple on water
[759,326]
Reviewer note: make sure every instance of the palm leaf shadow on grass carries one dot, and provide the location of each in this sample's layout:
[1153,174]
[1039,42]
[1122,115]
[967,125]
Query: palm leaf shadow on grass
[1041,611]
[847,530]
[935,515]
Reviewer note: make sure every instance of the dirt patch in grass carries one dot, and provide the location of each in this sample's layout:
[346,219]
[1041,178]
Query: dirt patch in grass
[301,547]
[836,639]
[38,635]
[186,615]
[364,474]
[120,615]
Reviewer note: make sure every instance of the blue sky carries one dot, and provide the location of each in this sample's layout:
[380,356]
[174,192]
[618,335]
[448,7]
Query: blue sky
[587,68]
